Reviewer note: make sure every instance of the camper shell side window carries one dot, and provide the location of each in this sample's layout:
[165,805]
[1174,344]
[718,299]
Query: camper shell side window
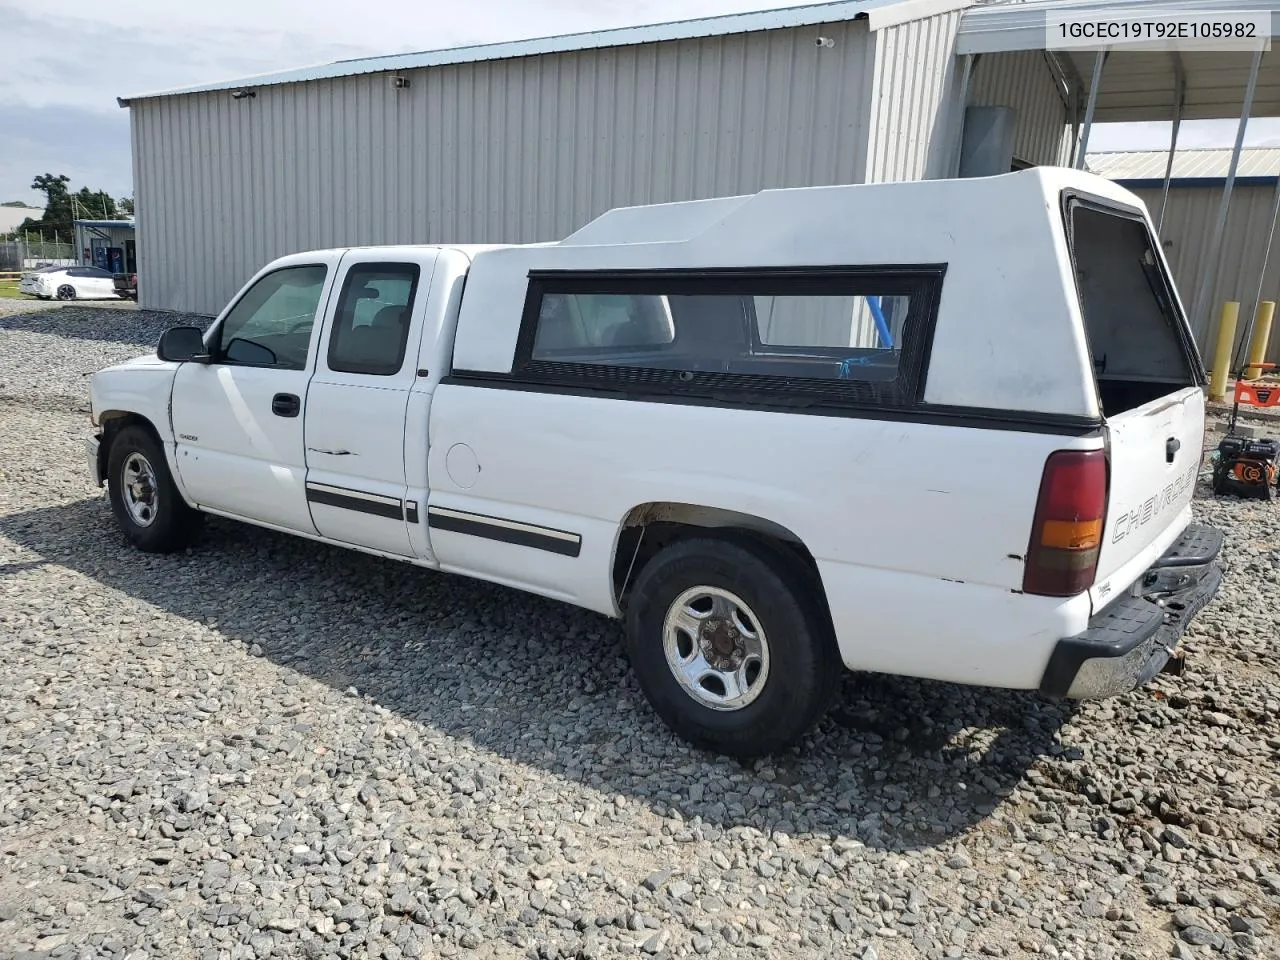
[840,336]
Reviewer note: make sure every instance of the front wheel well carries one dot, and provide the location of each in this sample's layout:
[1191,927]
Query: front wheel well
[112,422]
[649,528]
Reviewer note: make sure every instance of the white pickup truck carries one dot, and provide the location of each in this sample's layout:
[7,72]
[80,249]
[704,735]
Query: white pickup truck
[943,429]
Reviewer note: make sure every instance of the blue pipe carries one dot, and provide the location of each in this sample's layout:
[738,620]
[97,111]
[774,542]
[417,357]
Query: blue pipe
[886,338]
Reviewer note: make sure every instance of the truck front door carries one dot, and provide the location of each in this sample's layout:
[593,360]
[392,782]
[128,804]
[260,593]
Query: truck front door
[358,399]
[237,420]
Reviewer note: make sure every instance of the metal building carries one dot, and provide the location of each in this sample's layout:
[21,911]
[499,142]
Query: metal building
[108,244]
[1249,260]
[522,142]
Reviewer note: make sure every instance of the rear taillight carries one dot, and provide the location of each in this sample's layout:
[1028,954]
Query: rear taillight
[1066,536]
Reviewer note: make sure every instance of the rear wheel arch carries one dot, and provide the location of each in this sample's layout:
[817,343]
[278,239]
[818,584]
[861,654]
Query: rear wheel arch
[649,527]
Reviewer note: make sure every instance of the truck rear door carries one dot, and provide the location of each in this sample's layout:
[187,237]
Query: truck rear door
[358,398]
[1150,381]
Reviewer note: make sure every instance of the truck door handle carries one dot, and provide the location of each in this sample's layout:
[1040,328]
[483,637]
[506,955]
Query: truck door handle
[1171,447]
[286,405]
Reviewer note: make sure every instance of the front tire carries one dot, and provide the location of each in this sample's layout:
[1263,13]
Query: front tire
[144,498]
[731,647]
[66,292]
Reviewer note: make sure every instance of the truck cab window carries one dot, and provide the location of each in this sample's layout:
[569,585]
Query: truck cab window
[271,324]
[371,328]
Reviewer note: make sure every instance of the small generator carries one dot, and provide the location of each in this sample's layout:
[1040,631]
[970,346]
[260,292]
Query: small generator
[1245,467]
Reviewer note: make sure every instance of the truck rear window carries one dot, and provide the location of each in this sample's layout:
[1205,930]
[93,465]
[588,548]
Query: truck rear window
[1137,336]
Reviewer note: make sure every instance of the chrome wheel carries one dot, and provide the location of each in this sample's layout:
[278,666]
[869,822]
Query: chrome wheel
[716,648]
[138,485]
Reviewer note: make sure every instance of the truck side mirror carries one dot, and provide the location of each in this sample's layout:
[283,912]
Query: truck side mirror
[180,344]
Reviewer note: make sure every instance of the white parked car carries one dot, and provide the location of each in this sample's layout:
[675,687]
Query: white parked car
[943,429]
[69,283]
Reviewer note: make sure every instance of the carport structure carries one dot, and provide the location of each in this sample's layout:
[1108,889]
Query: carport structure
[1124,84]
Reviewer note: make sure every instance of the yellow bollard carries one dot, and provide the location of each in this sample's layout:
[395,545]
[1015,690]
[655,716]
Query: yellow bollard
[1261,335]
[1222,354]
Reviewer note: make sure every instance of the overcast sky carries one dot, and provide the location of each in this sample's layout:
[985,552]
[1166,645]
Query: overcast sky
[65,62]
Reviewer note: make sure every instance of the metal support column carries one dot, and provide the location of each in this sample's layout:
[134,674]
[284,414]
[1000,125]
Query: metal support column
[1098,62]
[957,140]
[1077,88]
[1180,97]
[1203,306]
[1237,359]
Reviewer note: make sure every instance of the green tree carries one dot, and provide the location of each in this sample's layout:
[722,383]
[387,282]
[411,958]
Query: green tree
[53,186]
[58,209]
[94,205]
[63,207]
[126,206]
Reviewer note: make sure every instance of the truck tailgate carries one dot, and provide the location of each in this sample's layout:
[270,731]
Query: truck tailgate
[1155,456]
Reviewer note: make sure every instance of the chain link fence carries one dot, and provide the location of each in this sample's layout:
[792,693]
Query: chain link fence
[27,254]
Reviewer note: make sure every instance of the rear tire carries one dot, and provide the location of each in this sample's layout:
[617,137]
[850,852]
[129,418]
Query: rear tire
[144,498]
[731,646]
[66,292]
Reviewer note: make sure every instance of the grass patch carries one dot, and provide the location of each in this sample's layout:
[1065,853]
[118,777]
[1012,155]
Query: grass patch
[9,290]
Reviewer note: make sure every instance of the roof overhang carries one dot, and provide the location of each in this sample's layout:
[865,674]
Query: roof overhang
[1137,85]
[878,14]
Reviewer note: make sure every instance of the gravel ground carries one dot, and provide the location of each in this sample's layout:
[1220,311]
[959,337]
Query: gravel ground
[264,748]
[11,306]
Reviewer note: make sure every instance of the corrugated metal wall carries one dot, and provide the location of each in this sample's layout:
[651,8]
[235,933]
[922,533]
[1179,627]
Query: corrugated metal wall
[1187,231]
[914,79]
[507,151]
[1025,82]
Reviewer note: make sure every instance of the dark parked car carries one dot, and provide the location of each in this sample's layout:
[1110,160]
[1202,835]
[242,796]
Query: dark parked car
[126,285]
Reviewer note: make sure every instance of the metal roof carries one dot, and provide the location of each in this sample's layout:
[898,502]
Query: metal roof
[1207,164]
[106,223]
[878,13]
[1022,24]
[1137,85]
